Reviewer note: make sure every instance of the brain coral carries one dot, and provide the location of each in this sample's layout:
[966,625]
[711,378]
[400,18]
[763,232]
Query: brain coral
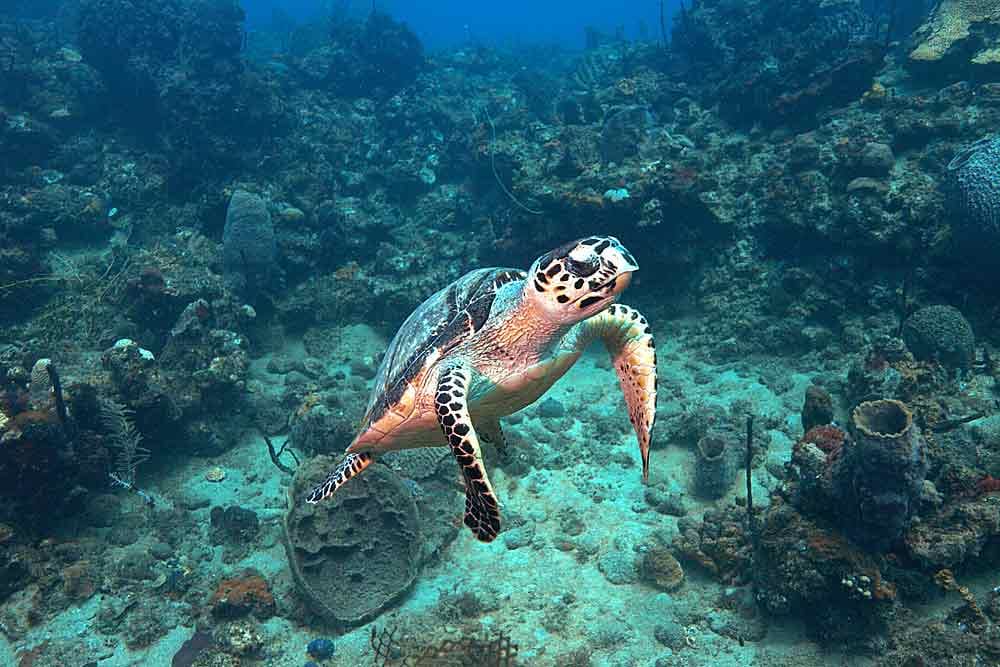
[940,333]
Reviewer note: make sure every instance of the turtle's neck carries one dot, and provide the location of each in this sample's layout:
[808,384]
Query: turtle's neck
[524,334]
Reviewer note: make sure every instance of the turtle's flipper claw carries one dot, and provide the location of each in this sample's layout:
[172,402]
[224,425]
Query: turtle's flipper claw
[482,511]
[349,467]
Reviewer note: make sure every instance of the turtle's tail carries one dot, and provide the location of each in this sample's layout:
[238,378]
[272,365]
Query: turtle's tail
[351,466]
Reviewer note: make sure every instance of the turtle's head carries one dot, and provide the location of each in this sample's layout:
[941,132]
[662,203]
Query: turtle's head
[580,278]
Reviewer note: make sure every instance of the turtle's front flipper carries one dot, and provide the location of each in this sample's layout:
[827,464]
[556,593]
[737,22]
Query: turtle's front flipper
[482,512]
[351,466]
[629,341]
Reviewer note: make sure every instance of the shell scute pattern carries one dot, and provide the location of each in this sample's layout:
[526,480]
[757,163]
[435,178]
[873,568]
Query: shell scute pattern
[440,323]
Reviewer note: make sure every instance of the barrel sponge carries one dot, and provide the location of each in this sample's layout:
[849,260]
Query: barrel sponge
[940,333]
[355,554]
[975,190]
[954,21]
[248,243]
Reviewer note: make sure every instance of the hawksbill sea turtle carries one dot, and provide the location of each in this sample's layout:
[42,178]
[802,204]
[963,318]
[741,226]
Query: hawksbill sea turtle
[491,343]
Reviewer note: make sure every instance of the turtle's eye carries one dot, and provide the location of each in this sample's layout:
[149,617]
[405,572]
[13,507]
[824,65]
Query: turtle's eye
[583,268]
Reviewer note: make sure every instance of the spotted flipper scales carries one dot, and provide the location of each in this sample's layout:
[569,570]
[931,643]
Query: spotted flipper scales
[482,511]
[351,466]
[629,341]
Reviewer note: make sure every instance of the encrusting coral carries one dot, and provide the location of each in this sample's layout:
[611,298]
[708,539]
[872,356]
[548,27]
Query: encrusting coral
[956,21]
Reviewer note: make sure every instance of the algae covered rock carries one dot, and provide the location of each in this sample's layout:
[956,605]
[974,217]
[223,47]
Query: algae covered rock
[955,534]
[353,555]
[778,61]
[817,409]
[814,572]
[322,427]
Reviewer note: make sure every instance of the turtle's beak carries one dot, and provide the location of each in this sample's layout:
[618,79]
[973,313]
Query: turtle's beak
[621,281]
[624,265]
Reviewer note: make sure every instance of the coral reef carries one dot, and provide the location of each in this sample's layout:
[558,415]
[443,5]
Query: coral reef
[388,651]
[176,67]
[377,57]
[247,594]
[718,543]
[956,534]
[806,183]
[769,61]
[871,482]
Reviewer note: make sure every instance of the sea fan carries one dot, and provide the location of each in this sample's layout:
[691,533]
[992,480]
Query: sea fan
[125,438]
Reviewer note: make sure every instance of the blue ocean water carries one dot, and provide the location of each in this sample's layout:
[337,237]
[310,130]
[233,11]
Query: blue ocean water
[515,334]
[453,23]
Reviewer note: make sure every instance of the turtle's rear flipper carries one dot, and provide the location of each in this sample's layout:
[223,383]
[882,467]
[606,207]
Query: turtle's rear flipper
[351,466]
[630,342]
[482,512]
